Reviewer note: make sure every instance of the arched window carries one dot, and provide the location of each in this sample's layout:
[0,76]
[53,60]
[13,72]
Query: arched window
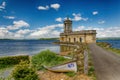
[80,39]
[69,39]
[74,39]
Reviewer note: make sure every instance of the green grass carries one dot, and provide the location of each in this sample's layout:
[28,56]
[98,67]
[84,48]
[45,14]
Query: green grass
[91,69]
[108,47]
[70,74]
[9,61]
[46,58]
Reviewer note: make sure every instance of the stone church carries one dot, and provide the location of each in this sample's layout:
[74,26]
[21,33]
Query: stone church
[83,36]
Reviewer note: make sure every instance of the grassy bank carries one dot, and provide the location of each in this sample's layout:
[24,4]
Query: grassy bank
[9,61]
[46,58]
[108,47]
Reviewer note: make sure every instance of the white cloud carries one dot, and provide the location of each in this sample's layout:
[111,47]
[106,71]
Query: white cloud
[79,28]
[17,25]
[95,12]
[47,31]
[23,32]
[109,32]
[102,32]
[17,32]
[9,17]
[78,17]
[55,6]
[2,6]
[43,7]
[58,19]
[101,22]
[4,33]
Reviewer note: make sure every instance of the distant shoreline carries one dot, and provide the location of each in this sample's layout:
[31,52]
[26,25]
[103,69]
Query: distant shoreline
[109,38]
[106,38]
[34,39]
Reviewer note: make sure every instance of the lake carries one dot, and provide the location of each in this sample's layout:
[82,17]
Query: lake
[31,47]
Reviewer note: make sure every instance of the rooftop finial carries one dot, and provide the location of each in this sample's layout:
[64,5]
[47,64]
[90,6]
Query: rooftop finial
[67,17]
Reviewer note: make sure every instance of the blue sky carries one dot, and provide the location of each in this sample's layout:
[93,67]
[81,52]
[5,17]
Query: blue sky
[28,19]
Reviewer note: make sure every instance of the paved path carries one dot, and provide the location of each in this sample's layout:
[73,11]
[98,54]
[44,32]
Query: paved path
[107,64]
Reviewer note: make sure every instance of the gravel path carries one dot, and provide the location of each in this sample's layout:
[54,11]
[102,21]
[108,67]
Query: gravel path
[107,64]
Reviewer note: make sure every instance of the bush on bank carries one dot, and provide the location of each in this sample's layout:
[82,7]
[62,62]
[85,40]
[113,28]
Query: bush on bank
[12,60]
[23,71]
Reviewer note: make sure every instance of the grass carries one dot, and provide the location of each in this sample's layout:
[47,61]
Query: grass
[91,69]
[108,47]
[3,67]
[70,74]
[8,61]
[47,58]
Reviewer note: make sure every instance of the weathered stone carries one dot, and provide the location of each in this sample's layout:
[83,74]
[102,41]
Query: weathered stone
[84,36]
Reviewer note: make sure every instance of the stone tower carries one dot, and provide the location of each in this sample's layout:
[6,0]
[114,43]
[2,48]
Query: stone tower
[67,26]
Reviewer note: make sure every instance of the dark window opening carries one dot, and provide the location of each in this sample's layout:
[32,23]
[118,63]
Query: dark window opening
[74,39]
[80,39]
[69,39]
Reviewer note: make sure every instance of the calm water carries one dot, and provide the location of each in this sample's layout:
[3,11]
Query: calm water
[31,47]
[16,47]
[114,43]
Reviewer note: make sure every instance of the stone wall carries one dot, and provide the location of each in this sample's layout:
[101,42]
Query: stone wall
[89,38]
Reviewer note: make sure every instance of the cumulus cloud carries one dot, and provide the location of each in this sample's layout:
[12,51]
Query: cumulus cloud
[5,33]
[17,25]
[23,31]
[43,7]
[102,32]
[3,5]
[47,31]
[14,31]
[101,22]
[58,19]
[55,6]
[78,17]
[17,32]
[95,12]
[9,17]
[79,28]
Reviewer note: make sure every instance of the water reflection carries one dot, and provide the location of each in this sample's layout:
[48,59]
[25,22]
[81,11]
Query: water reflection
[64,49]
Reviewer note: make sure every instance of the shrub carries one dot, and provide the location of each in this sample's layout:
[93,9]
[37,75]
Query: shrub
[47,58]
[91,70]
[23,71]
[12,60]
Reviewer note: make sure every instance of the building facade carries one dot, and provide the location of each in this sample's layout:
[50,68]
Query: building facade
[83,36]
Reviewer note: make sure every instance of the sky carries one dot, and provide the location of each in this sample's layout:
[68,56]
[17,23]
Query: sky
[34,19]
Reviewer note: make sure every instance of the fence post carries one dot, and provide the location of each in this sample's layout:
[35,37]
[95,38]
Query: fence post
[85,62]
